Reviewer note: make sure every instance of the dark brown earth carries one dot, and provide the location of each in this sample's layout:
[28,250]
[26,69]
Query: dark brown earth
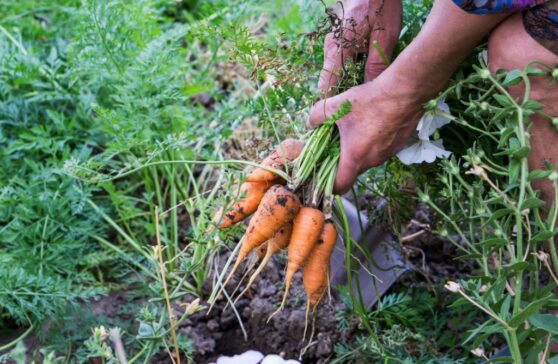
[219,333]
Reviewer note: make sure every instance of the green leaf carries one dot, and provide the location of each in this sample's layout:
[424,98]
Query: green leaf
[459,302]
[532,71]
[532,105]
[512,78]
[494,242]
[498,214]
[546,322]
[538,174]
[542,236]
[519,266]
[532,203]
[531,309]
[505,308]
[522,152]
[513,170]
[505,134]
[469,256]
[503,100]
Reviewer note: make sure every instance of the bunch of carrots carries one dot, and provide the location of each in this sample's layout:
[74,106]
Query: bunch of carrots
[293,214]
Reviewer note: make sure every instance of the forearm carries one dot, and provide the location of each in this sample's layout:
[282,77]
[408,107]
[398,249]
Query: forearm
[448,36]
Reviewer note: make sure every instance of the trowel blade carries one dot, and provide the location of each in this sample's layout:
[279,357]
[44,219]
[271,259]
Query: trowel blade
[375,275]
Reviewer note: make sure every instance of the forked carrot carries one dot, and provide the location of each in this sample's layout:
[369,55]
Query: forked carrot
[284,153]
[307,228]
[279,242]
[278,207]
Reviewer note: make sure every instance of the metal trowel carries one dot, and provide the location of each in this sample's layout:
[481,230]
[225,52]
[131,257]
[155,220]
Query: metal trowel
[375,273]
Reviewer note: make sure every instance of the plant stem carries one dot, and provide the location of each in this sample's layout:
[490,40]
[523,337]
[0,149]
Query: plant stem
[165,288]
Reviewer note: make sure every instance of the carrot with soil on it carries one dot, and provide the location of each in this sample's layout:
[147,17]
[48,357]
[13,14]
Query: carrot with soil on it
[261,251]
[278,207]
[307,228]
[316,270]
[315,274]
[251,195]
[279,242]
[283,154]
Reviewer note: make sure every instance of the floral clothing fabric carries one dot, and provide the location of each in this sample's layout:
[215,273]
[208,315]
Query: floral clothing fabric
[540,17]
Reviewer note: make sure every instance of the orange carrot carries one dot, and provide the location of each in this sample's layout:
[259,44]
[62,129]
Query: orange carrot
[284,153]
[279,242]
[262,250]
[316,270]
[278,207]
[252,193]
[307,228]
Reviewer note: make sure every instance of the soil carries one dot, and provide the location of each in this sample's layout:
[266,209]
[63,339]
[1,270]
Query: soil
[219,333]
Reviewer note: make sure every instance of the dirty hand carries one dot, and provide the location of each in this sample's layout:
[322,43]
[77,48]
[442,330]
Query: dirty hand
[359,24]
[384,114]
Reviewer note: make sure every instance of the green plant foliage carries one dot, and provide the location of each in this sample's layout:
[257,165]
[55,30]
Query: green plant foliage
[115,117]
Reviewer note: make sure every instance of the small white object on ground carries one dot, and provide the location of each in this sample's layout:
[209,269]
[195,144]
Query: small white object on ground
[276,359]
[423,149]
[254,357]
[249,357]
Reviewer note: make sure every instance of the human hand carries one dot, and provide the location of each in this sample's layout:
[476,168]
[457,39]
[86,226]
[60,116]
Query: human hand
[362,23]
[385,112]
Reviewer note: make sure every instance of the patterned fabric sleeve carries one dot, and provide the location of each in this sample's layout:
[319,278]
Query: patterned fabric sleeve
[540,16]
[496,6]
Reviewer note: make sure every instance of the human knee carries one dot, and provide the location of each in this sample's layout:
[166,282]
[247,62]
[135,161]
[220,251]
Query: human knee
[511,47]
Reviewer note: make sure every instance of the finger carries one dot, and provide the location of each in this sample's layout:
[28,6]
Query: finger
[384,36]
[347,171]
[333,65]
[324,109]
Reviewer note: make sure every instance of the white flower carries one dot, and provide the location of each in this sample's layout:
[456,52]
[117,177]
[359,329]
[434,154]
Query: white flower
[423,149]
[433,120]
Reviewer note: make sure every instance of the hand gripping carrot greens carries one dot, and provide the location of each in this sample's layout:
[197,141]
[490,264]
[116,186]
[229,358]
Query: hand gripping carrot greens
[281,220]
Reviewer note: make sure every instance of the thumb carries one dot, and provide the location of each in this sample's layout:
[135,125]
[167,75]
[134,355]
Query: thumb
[347,171]
[323,110]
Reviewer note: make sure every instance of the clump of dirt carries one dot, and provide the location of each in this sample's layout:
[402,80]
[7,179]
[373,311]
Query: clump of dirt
[219,333]
[432,255]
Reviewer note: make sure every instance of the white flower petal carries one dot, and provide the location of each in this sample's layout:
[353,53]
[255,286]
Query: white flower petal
[432,120]
[411,154]
[423,151]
